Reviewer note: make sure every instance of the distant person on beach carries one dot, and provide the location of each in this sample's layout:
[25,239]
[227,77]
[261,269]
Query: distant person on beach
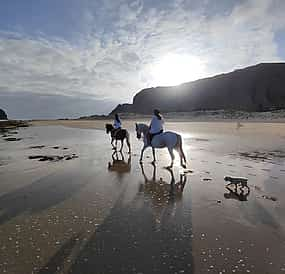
[156,124]
[117,124]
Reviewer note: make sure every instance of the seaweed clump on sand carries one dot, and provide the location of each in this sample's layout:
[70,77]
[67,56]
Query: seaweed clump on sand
[53,158]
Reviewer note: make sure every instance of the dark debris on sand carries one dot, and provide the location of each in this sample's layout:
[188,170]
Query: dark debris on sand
[53,158]
[37,147]
[12,124]
[12,139]
[271,198]
[262,155]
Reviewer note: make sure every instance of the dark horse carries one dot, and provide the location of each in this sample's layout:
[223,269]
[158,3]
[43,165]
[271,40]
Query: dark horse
[121,135]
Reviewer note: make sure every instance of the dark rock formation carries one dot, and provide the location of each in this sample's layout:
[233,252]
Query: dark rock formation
[255,88]
[12,124]
[3,115]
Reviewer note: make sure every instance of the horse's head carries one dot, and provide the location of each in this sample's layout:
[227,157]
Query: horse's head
[141,129]
[109,128]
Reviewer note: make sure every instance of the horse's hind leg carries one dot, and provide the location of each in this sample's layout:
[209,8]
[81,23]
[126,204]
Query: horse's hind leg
[153,154]
[122,144]
[181,152]
[182,157]
[170,150]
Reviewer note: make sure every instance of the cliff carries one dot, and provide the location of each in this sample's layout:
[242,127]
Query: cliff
[3,115]
[256,88]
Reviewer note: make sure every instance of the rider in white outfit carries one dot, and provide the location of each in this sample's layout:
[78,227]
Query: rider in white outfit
[156,124]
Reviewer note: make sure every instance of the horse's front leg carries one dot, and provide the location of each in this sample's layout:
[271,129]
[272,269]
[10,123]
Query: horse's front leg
[170,150]
[153,154]
[122,144]
[112,143]
[143,149]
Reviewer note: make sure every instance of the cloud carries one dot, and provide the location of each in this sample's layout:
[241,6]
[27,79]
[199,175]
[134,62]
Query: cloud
[121,40]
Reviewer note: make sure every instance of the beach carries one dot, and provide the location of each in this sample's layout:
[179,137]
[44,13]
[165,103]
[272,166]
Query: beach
[69,204]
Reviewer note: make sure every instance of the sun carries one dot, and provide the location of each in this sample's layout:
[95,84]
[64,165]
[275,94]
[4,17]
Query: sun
[174,69]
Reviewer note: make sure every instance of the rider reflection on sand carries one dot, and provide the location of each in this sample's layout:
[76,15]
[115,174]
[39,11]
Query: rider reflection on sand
[119,165]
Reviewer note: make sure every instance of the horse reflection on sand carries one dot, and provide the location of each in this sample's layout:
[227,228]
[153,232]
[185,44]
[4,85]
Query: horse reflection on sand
[163,195]
[119,164]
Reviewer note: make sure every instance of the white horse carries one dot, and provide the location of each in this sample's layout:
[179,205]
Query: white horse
[168,139]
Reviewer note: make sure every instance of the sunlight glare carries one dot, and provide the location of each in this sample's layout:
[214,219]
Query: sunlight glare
[174,69]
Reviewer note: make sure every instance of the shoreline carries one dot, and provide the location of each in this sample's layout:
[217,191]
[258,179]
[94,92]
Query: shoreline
[194,127]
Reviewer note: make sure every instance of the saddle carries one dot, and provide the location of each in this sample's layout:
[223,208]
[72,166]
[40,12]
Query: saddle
[151,135]
[116,131]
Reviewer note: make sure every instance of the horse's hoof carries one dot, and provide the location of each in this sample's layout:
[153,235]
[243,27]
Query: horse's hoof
[184,166]
[153,163]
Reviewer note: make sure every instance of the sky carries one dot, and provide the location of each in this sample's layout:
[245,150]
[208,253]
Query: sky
[71,58]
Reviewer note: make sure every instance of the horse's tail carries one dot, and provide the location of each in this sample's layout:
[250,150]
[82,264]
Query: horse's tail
[128,140]
[179,147]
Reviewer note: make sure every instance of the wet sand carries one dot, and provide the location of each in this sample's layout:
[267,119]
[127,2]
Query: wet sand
[104,213]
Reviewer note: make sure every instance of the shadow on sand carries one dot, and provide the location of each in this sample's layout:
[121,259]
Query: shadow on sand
[56,263]
[40,195]
[130,239]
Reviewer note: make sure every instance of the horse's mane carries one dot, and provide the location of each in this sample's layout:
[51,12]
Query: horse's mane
[143,125]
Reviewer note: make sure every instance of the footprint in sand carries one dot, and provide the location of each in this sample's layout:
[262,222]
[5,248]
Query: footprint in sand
[257,188]
[207,179]
[186,171]
[274,177]
[250,174]
[271,198]
[37,147]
